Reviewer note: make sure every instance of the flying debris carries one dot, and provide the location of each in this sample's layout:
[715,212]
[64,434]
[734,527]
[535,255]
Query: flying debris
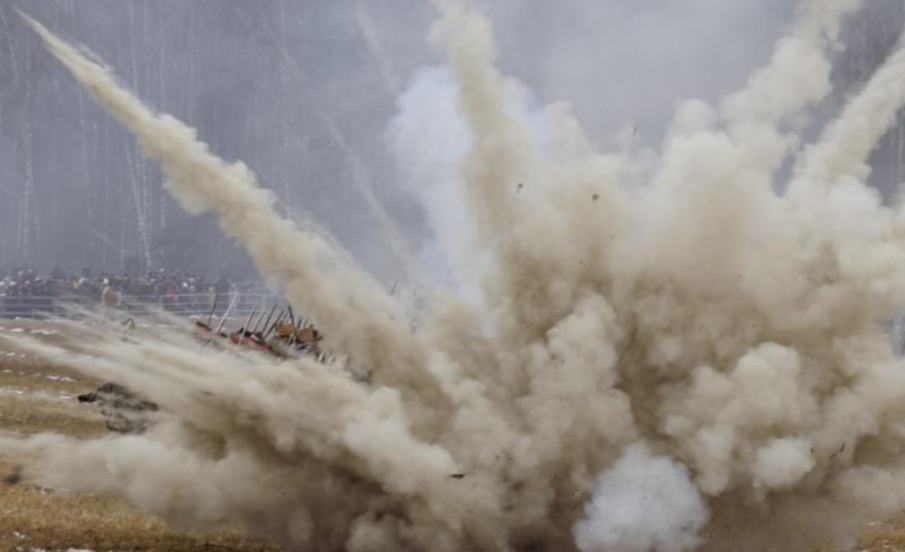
[281,337]
[124,411]
[14,477]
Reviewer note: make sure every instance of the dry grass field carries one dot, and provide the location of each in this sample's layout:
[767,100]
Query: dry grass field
[36,397]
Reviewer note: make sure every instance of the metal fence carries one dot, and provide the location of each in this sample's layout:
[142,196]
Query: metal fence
[195,304]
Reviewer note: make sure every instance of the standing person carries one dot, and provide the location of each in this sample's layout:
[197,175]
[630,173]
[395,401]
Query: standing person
[110,299]
[169,298]
[221,287]
[211,298]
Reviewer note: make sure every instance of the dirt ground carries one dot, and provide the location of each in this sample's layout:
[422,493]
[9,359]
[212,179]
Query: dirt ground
[36,397]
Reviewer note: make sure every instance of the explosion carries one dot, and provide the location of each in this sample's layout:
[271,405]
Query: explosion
[671,349]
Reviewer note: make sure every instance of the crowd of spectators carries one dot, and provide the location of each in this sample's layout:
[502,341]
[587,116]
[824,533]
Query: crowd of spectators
[28,282]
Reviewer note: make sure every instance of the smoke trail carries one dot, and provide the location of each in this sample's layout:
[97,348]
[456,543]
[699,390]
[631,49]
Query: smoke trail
[798,75]
[844,149]
[797,78]
[347,304]
[702,330]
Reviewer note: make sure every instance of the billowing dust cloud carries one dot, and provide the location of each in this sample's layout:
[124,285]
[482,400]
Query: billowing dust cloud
[672,349]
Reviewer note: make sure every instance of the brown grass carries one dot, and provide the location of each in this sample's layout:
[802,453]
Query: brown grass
[31,517]
[38,397]
[36,518]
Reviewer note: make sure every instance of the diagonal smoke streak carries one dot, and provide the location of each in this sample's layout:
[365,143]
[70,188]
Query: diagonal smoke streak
[844,149]
[347,304]
[798,75]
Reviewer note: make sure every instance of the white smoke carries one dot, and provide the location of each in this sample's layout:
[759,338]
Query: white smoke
[644,503]
[429,139]
[732,328]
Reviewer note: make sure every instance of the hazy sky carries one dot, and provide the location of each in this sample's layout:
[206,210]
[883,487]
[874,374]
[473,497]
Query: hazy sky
[303,92]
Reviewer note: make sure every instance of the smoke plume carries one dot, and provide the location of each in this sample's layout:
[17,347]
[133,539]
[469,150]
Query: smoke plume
[643,504]
[673,350]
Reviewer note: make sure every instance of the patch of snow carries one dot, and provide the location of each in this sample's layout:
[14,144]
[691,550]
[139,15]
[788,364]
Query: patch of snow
[51,377]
